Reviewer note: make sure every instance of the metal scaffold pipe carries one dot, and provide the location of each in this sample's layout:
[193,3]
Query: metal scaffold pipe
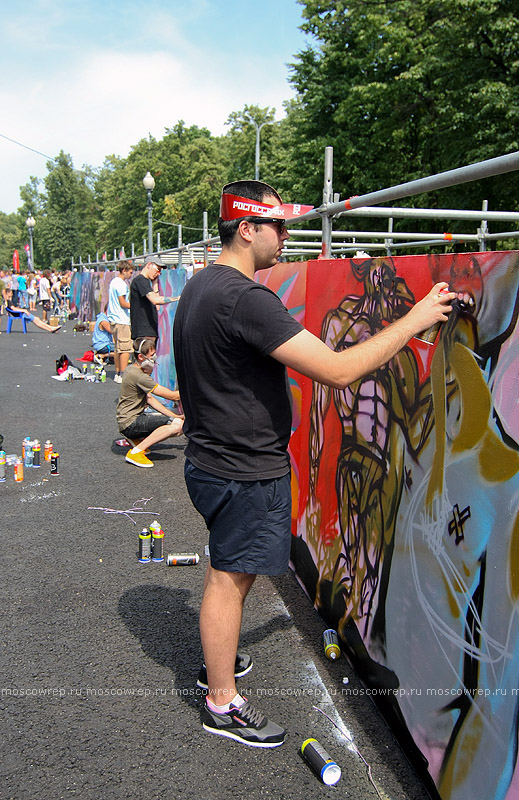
[472,172]
[432,213]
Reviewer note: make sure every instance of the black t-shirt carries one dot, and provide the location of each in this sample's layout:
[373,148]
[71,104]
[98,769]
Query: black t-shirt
[143,314]
[235,397]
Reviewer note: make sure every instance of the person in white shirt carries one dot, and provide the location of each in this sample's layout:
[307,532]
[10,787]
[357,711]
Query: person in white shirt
[118,313]
[45,293]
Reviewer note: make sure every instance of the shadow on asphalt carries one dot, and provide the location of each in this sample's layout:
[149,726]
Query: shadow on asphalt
[166,625]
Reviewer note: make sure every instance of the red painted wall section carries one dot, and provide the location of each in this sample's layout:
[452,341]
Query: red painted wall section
[406,505]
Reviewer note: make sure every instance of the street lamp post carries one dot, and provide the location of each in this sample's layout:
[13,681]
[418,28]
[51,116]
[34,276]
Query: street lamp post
[258,129]
[149,185]
[30,222]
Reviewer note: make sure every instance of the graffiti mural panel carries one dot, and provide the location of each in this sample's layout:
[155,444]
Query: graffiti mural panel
[289,283]
[408,509]
[172,281]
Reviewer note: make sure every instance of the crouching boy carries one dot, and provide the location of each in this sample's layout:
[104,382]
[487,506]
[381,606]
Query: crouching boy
[138,390]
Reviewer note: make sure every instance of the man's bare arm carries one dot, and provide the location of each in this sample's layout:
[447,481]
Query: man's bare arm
[158,300]
[167,394]
[307,354]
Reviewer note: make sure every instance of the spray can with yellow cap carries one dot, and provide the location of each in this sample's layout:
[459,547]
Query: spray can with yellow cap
[157,542]
[322,763]
[332,651]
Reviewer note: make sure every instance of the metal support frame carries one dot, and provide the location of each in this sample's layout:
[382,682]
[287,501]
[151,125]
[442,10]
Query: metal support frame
[327,201]
[333,243]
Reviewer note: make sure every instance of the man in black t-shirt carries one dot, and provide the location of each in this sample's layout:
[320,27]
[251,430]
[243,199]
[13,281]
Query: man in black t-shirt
[233,339]
[144,299]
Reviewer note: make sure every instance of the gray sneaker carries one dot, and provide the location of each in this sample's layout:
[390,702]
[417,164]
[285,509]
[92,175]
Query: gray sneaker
[242,666]
[245,724]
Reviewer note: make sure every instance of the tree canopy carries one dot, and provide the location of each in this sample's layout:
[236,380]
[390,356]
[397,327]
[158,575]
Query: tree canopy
[408,88]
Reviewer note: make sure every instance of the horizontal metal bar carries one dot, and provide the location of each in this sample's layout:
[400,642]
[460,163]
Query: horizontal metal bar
[401,235]
[504,235]
[431,213]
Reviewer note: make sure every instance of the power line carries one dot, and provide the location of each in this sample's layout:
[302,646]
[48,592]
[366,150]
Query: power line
[26,147]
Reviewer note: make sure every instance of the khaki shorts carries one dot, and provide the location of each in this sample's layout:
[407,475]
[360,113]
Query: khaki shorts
[122,339]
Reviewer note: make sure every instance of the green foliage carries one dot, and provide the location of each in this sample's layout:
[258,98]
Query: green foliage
[11,239]
[405,89]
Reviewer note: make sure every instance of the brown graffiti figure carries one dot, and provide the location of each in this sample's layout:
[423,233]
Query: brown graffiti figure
[374,414]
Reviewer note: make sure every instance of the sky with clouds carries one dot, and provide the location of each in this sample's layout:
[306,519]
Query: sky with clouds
[92,77]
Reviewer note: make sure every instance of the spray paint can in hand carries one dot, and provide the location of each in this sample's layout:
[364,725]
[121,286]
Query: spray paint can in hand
[431,333]
[321,762]
[145,546]
[157,542]
[36,453]
[2,465]
[332,650]
[182,559]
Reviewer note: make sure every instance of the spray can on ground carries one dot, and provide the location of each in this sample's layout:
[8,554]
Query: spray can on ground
[145,546]
[36,453]
[2,465]
[157,542]
[182,559]
[332,650]
[28,455]
[54,464]
[18,470]
[25,444]
[321,762]
[48,450]
[431,333]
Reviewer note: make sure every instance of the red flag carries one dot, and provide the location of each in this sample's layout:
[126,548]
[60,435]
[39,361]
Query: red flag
[16,261]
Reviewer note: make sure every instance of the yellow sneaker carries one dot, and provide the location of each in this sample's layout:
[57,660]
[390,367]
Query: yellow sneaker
[138,459]
[136,443]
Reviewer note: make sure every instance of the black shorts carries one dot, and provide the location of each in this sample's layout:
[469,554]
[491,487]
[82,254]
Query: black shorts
[146,424]
[248,521]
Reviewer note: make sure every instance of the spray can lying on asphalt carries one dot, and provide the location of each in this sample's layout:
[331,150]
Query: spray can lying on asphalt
[332,650]
[182,559]
[145,546]
[321,762]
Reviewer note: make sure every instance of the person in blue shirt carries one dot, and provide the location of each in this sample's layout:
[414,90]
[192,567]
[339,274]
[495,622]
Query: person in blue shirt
[102,342]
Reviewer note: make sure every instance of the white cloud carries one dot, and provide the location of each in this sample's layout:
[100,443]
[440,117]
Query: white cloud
[92,77]
[106,101]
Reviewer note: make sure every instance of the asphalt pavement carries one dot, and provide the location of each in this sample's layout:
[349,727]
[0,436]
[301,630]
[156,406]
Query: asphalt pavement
[100,654]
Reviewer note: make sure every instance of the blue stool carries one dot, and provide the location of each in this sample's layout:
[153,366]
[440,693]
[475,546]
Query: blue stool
[15,315]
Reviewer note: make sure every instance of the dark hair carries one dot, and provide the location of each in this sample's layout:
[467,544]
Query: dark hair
[252,190]
[122,265]
[143,345]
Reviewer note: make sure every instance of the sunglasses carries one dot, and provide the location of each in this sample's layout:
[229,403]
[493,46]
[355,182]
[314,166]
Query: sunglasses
[263,221]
